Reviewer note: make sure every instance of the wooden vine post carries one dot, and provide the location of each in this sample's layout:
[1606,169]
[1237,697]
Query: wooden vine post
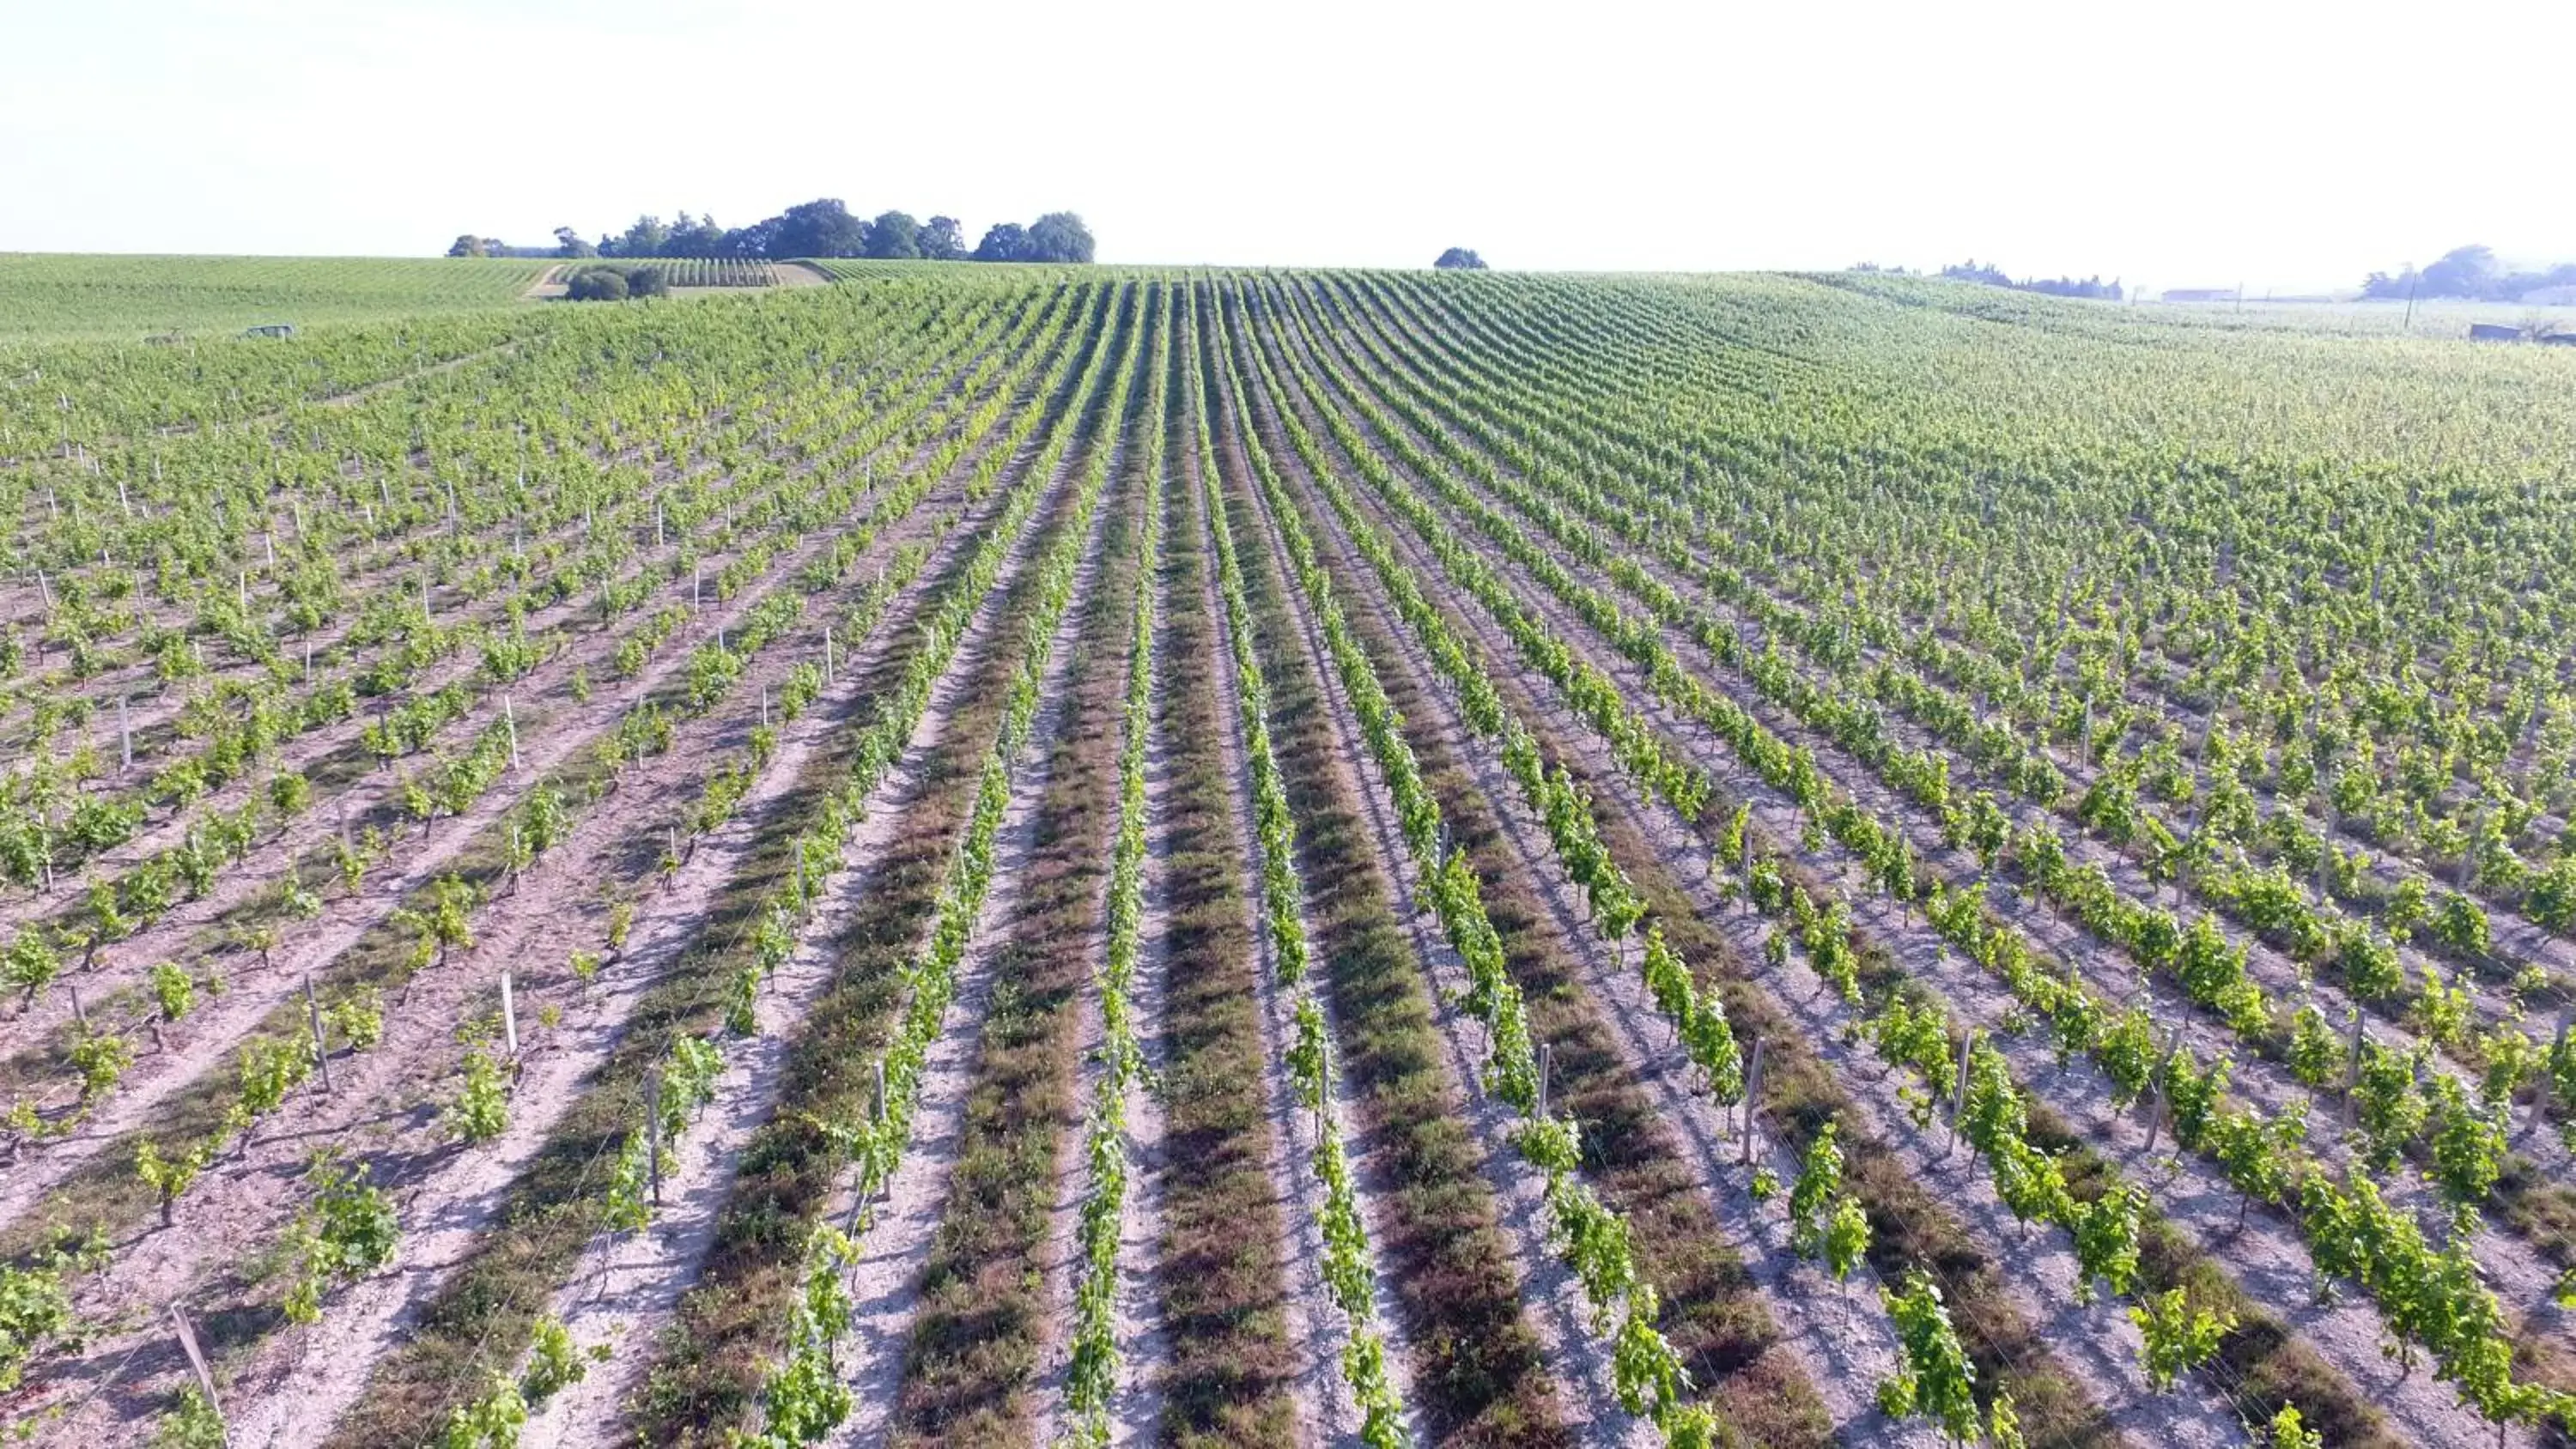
[509,1015]
[653,1130]
[1752,1095]
[187,1336]
[321,1042]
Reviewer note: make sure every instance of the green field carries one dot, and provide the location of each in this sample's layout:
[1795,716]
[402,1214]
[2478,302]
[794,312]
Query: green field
[83,296]
[1400,857]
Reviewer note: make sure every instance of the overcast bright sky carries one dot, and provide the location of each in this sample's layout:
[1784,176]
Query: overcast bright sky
[2176,143]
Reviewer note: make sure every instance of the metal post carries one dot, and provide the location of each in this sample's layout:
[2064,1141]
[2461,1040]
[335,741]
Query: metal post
[2352,1073]
[764,706]
[510,721]
[124,734]
[321,1043]
[1546,1068]
[827,654]
[78,1014]
[509,1015]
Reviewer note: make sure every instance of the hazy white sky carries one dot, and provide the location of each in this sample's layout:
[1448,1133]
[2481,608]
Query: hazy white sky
[2176,143]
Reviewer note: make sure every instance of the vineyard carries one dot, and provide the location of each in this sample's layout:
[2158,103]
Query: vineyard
[131,297]
[695,271]
[1091,856]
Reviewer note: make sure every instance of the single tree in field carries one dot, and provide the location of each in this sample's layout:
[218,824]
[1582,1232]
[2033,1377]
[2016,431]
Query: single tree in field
[2468,271]
[469,245]
[694,236]
[568,243]
[818,228]
[760,239]
[943,239]
[893,237]
[1059,236]
[597,284]
[650,236]
[1460,259]
[1005,241]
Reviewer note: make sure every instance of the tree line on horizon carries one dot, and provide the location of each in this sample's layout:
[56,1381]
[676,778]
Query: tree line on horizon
[824,227]
[1993,276]
[2470,272]
[1989,275]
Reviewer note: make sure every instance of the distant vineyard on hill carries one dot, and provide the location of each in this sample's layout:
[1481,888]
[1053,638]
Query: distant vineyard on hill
[131,297]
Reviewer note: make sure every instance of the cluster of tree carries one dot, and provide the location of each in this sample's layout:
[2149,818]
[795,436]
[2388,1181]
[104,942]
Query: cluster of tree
[2471,272]
[1460,259]
[1993,276]
[616,284]
[820,228]
[470,245]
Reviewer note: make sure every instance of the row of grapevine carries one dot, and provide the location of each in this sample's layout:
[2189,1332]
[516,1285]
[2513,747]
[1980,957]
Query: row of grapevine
[617,1202]
[803,1398]
[494,749]
[2466,1332]
[694,1062]
[1349,1273]
[1091,1376]
[1825,934]
[1648,1375]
